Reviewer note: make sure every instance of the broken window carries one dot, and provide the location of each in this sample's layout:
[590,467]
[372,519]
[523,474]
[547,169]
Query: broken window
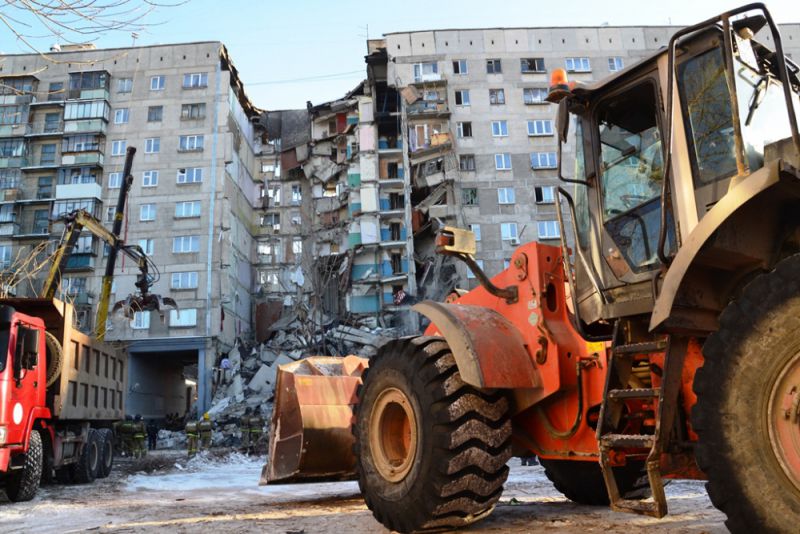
[497,97]
[396,201]
[505,195]
[464,129]
[392,169]
[297,195]
[545,194]
[466,162]
[395,231]
[427,71]
[459,66]
[532,64]
[493,66]
[469,196]
[297,245]
[462,97]
[397,263]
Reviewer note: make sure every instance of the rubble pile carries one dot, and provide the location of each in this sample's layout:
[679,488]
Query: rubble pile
[246,377]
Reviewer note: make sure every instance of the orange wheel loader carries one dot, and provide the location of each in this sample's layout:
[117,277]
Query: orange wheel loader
[660,340]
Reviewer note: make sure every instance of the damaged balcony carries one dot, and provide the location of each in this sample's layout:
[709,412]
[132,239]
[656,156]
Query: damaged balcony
[428,148]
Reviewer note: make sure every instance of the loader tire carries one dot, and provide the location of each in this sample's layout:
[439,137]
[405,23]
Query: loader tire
[106,444]
[22,485]
[55,358]
[582,482]
[431,450]
[85,469]
[747,405]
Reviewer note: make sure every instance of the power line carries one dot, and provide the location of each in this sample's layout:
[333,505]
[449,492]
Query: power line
[321,77]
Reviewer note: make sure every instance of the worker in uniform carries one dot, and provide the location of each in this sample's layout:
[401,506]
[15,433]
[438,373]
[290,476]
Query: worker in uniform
[256,430]
[204,428]
[124,433]
[244,427]
[191,438]
[139,437]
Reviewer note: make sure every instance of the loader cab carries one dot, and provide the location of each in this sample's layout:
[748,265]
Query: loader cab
[650,165]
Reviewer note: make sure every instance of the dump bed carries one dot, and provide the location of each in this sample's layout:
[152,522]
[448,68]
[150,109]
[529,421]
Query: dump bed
[92,382]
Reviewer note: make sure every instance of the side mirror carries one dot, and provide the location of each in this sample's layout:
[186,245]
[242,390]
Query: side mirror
[562,120]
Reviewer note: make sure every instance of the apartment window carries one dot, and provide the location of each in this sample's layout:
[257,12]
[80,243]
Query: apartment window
[502,162]
[466,162]
[52,122]
[7,213]
[48,154]
[193,111]
[44,187]
[155,113]
[187,209]
[297,245]
[157,83]
[493,66]
[83,245]
[540,127]
[476,229]
[95,109]
[548,229]
[426,71]
[499,128]
[73,285]
[115,180]
[41,222]
[497,96]
[12,148]
[121,116]
[469,196]
[464,129]
[55,91]
[615,64]
[190,143]
[470,274]
[110,212]
[152,145]
[124,85]
[185,243]
[184,280]
[77,175]
[505,195]
[544,160]
[578,64]
[147,246]
[462,97]
[271,219]
[147,212]
[141,320]
[297,195]
[194,80]
[184,318]
[508,231]
[62,207]
[149,178]
[118,147]
[190,175]
[532,64]
[534,95]
[5,256]
[460,66]
[545,194]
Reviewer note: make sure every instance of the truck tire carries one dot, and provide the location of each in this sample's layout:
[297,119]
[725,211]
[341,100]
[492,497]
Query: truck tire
[431,450]
[55,358]
[22,485]
[747,413]
[85,469]
[106,443]
[582,482]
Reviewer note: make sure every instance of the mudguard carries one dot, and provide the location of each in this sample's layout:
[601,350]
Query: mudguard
[489,350]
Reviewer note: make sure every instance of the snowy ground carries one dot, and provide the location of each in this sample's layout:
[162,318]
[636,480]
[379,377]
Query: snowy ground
[222,495]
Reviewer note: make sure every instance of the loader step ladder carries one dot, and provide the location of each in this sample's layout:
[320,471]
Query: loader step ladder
[618,391]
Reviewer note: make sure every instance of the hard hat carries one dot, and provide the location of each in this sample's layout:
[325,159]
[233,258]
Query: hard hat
[206,416]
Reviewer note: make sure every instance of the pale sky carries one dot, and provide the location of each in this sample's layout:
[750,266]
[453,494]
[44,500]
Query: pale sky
[288,52]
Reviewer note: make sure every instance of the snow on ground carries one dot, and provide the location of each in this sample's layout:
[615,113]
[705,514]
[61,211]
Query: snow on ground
[222,494]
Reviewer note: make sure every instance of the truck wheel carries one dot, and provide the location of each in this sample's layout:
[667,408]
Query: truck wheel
[431,450]
[748,405]
[85,469]
[582,482]
[55,358]
[22,485]
[106,443]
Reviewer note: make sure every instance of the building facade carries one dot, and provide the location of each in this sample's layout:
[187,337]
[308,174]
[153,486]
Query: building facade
[66,120]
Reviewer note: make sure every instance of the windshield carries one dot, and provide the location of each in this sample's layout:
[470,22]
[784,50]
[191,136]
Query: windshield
[4,334]
[630,145]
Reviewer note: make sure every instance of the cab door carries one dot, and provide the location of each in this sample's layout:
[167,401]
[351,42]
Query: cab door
[24,386]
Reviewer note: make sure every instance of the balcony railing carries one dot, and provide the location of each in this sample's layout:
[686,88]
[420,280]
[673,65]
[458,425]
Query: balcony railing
[14,130]
[13,162]
[90,190]
[82,158]
[9,228]
[48,128]
[87,94]
[11,194]
[85,126]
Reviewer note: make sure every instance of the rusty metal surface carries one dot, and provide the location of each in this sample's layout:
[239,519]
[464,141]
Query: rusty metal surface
[310,431]
[489,349]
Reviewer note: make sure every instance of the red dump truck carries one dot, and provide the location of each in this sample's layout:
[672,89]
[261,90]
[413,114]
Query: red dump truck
[60,393]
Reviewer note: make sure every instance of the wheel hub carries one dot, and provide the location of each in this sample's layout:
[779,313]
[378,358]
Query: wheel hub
[784,419]
[393,435]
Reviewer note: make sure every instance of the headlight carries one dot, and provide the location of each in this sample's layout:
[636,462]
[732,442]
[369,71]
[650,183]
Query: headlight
[3,434]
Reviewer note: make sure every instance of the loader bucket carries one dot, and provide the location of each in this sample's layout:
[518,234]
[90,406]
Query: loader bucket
[310,431]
